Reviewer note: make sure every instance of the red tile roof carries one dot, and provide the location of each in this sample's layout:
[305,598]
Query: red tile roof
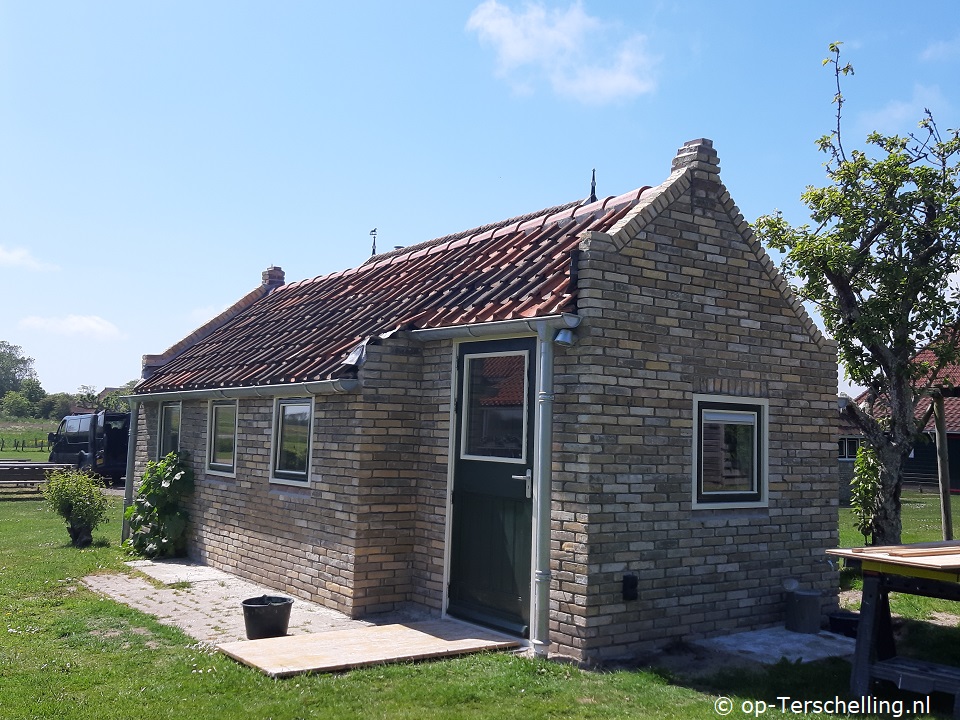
[948,378]
[302,332]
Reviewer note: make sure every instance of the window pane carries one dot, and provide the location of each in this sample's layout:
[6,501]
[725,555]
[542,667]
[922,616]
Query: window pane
[169,429]
[728,454]
[224,435]
[495,417]
[293,439]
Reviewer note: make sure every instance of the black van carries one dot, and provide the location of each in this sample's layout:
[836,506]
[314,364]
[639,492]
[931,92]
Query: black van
[94,441]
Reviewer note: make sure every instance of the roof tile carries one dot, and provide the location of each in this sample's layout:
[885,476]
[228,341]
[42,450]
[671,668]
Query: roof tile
[302,331]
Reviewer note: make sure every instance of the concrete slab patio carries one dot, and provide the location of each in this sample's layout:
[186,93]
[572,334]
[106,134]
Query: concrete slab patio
[205,603]
[373,645]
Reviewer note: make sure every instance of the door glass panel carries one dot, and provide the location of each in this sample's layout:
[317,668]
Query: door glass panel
[495,414]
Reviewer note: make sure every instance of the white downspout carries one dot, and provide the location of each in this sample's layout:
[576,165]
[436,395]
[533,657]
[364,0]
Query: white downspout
[134,404]
[543,475]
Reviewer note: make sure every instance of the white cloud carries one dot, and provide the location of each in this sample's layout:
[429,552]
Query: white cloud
[570,49]
[22,258]
[942,50]
[88,326]
[901,116]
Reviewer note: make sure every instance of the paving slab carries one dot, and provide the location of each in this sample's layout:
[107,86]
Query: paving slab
[355,647]
[770,645]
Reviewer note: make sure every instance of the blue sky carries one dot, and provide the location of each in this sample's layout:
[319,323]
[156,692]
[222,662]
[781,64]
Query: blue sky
[155,158]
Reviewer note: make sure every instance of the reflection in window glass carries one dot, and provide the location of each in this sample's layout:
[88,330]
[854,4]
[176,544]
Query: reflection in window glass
[169,429]
[223,432]
[495,395]
[292,446]
[729,452]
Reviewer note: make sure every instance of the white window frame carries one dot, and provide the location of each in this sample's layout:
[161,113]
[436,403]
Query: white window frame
[221,468]
[845,439]
[286,477]
[759,410]
[160,426]
[465,405]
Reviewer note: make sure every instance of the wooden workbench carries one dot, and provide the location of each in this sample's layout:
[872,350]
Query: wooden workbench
[927,569]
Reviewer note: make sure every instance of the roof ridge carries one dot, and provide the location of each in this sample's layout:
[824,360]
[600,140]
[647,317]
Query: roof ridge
[519,219]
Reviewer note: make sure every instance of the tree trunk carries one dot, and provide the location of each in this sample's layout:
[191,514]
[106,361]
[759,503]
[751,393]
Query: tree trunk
[886,523]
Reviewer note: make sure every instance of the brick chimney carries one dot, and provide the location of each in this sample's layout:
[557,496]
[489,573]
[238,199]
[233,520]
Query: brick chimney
[699,153]
[272,277]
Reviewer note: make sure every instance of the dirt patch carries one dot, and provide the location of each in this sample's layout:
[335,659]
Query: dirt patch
[682,660]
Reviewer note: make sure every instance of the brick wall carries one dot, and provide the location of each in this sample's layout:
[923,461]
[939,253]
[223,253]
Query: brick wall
[677,302]
[367,535]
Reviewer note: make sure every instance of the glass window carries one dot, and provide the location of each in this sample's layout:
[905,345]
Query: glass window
[169,429]
[291,444]
[730,453]
[223,436]
[495,393]
[848,448]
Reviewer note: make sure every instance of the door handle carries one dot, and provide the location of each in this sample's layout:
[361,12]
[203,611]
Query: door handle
[528,476]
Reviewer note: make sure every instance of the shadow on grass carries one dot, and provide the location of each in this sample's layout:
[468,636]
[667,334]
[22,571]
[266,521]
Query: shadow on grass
[754,686]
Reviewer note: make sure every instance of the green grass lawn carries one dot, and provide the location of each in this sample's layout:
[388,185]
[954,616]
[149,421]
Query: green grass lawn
[67,653]
[25,439]
[920,518]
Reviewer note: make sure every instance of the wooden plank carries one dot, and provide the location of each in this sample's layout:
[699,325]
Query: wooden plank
[888,548]
[953,549]
[371,645]
[942,556]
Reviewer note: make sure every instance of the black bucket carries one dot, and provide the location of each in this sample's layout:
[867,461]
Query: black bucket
[266,616]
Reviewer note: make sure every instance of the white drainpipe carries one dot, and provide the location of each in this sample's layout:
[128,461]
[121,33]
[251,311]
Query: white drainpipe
[134,404]
[542,492]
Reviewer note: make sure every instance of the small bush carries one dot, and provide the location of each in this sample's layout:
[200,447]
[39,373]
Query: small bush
[158,524]
[76,497]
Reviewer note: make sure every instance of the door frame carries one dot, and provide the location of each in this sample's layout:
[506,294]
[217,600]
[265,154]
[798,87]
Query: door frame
[452,441]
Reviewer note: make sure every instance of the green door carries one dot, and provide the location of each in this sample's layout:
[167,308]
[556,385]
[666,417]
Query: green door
[492,483]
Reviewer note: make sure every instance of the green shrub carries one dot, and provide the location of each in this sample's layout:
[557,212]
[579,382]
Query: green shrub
[158,523]
[865,490]
[76,496]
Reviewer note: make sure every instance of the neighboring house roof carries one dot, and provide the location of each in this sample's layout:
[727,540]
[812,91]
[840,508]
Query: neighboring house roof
[948,378]
[303,331]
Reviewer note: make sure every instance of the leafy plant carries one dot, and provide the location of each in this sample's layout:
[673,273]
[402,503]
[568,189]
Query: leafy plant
[75,496]
[158,522]
[865,486]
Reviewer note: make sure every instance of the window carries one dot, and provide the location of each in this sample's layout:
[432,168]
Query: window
[291,440]
[730,452]
[495,391]
[849,447]
[169,429]
[223,437]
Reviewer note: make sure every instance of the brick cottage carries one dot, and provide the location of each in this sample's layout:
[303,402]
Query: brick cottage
[604,426]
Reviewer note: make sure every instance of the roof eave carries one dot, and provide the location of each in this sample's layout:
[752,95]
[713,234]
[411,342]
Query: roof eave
[320,387]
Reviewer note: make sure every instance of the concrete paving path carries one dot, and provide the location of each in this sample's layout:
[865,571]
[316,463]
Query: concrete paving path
[205,602]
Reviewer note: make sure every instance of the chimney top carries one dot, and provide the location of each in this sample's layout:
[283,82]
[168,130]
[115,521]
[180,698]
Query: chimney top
[698,152]
[273,277]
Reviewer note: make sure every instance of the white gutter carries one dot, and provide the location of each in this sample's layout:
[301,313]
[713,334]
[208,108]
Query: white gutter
[546,329]
[320,387]
[501,327]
